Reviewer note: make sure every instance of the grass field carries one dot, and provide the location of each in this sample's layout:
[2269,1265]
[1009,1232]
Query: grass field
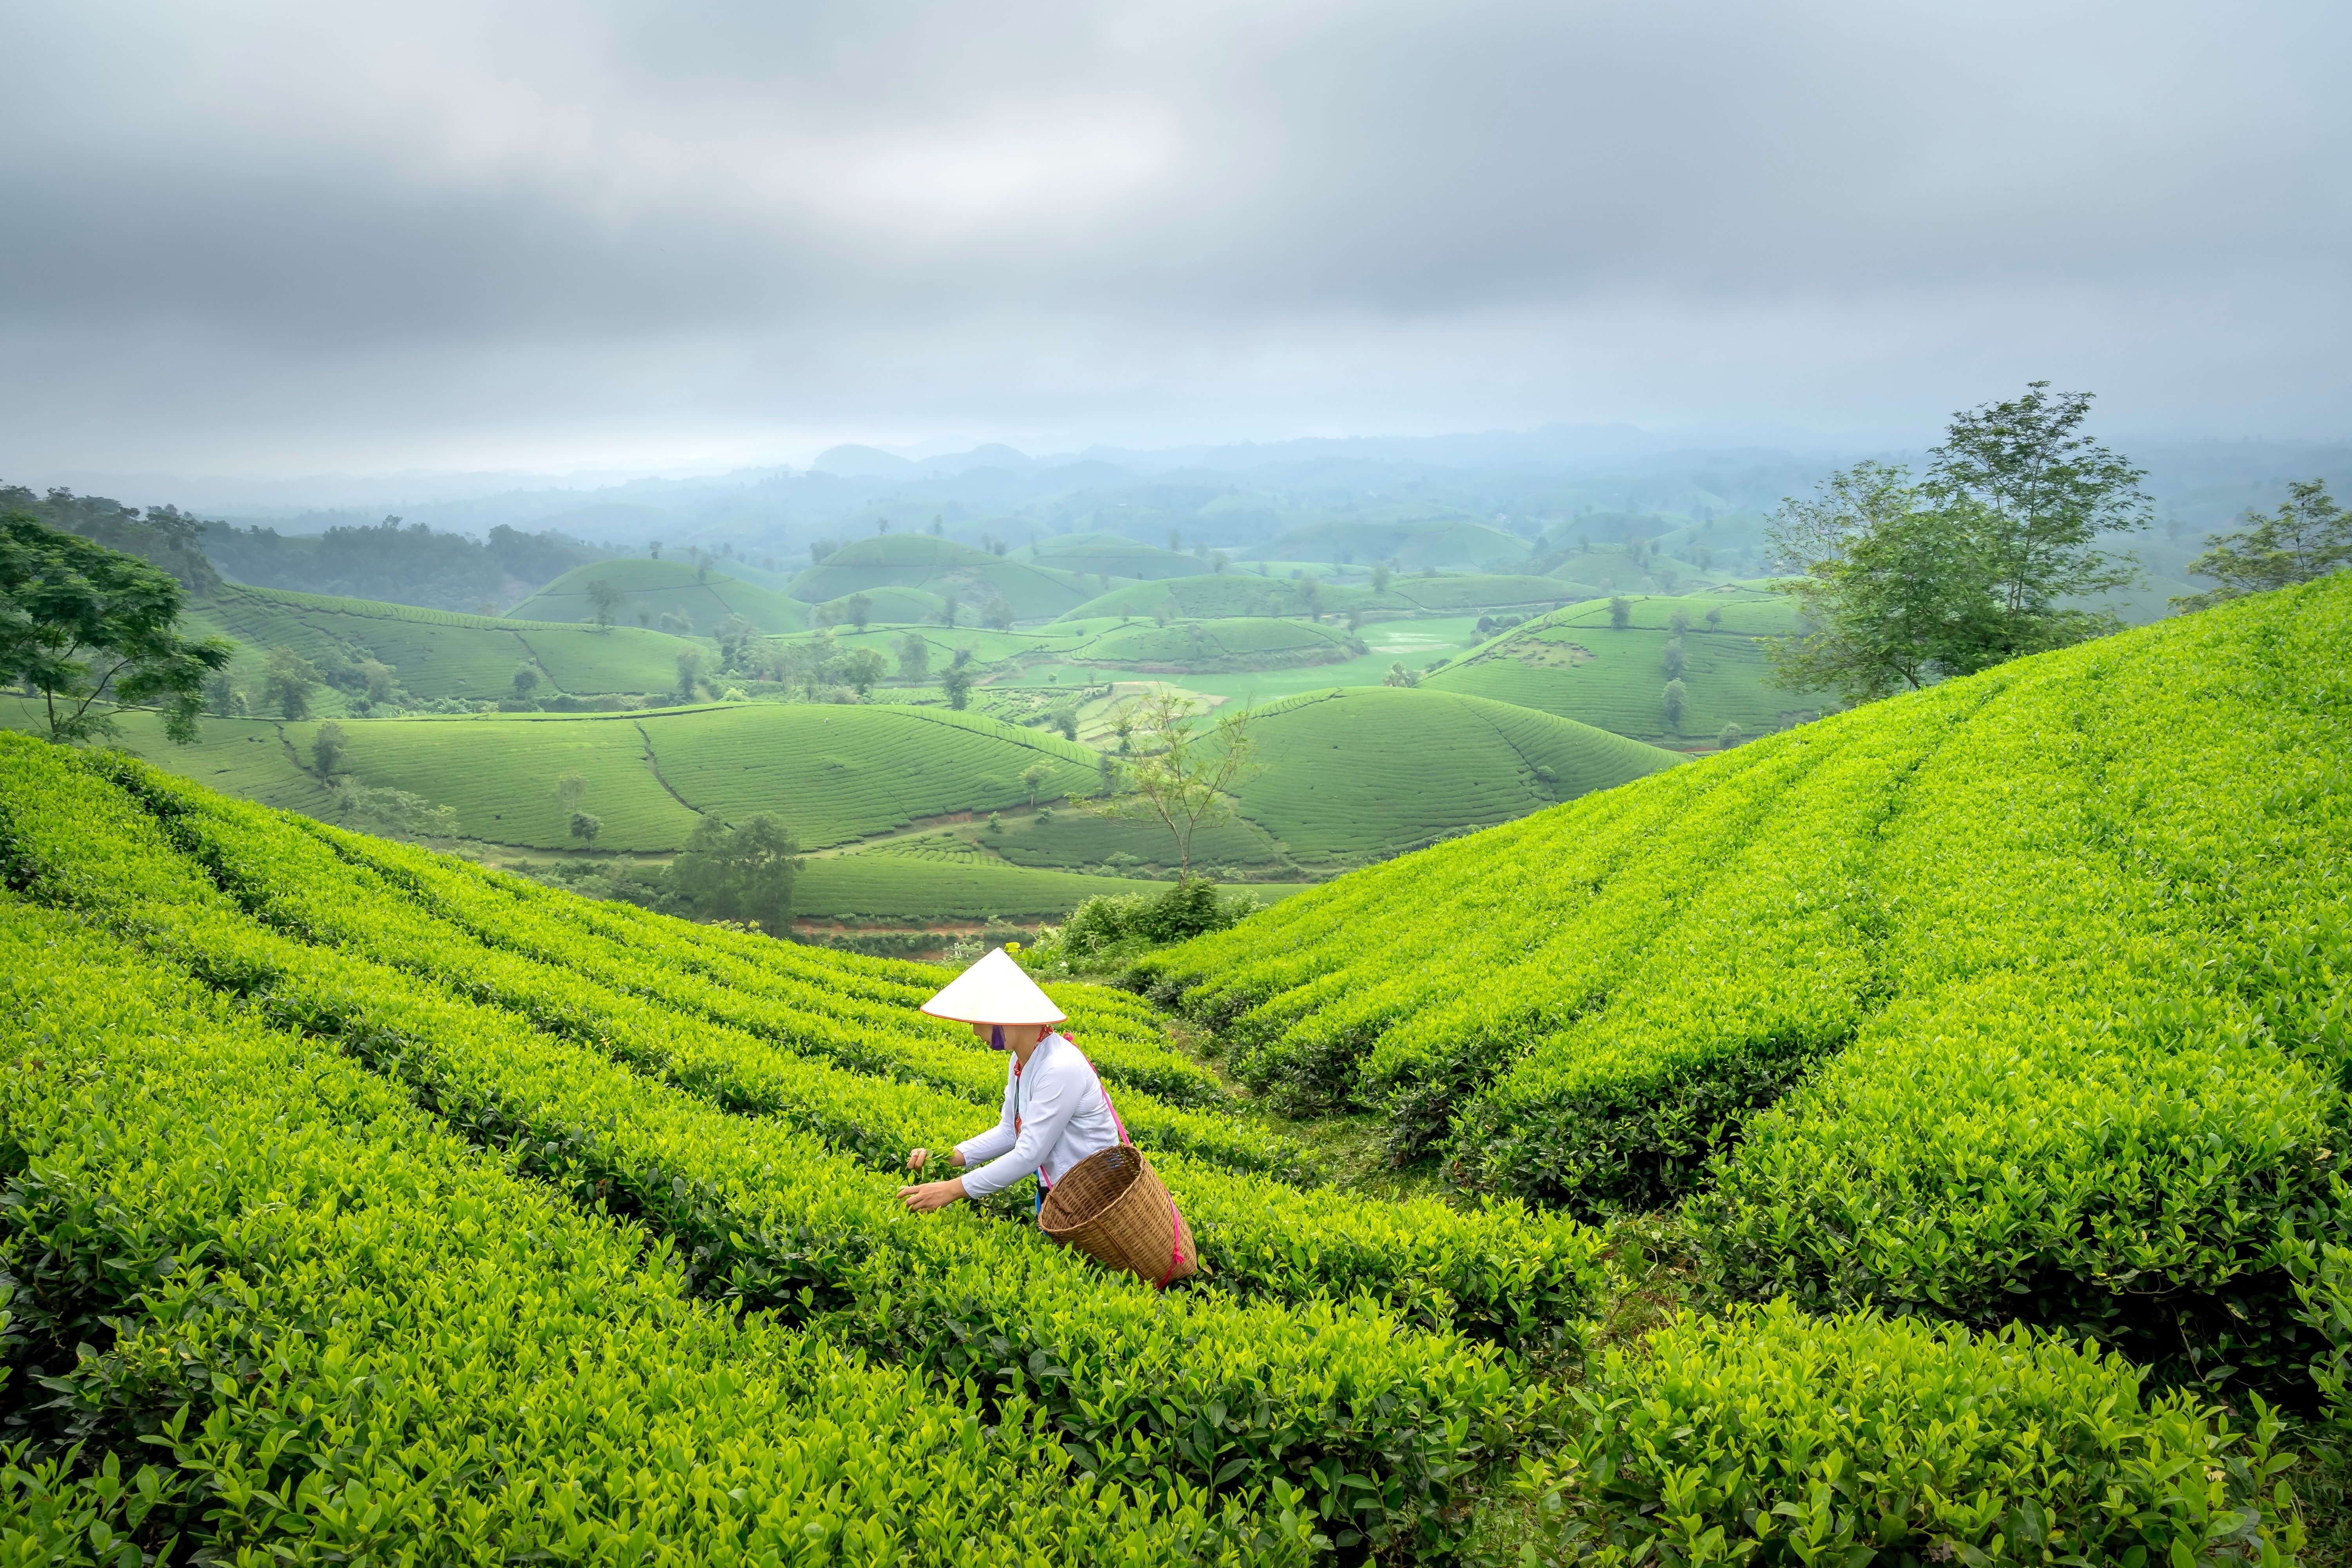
[874,887]
[652,589]
[435,653]
[1574,663]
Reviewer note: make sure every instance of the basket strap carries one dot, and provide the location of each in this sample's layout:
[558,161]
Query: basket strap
[1175,1245]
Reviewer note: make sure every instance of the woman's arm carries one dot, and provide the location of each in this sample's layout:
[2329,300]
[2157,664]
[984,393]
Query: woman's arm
[987,1145]
[1047,1105]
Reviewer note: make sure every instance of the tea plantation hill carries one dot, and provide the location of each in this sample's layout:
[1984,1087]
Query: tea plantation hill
[704,596]
[433,653]
[497,1217]
[1110,555]
[1575,662]
[942,567]
[2020,998]
[1243,643]
[1458,545]
[1236,592]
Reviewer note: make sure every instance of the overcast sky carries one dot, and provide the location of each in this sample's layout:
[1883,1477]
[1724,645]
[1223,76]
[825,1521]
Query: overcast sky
[276,238]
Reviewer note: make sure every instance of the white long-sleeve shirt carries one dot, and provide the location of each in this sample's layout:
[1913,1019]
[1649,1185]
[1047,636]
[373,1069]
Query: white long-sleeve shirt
[1055,1114]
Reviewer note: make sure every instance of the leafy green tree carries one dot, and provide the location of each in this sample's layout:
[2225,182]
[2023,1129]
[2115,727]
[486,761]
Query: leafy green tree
[689,673]
[1621,612]
[571,789]
[1731,736]
[958,681]
[1000,612]
[378,676]
[1715,618]
[950,607]
[1895,592]
[1107,779]
[738,644]
[223,698]
[859,669]
[1066,719]
[1674,657]
[603,602]
[288,680]
[526,681]
[2308,537]
[327,748]
[1399,675]
[861,610]
[914,656]
[2036,494]
[1182,779]
[1033,779]
[1678,622]
[1381,575]
[82,623]
[744,872]
[1219,561]
[586,827]
[1672,702]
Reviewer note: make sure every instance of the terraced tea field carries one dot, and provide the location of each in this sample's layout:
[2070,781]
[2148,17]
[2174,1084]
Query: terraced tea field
[1575,664]
[436,652]
[652,589]
[568,1232]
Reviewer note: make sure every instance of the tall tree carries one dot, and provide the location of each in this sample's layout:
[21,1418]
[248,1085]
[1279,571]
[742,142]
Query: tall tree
[603,602]
[1893,595]
[2041,493]
[1181,779]
[744,872]
[81,625]
[914,656]
[2308,537]
[288,680]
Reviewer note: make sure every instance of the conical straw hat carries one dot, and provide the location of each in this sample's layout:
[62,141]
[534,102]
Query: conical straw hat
[994,991]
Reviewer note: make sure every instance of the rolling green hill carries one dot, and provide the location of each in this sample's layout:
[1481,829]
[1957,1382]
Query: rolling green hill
[830,772]
[942,567]
[1574,663]
[891,606]
[652,589]
[2040,974]
[1217,644]
[1235,592]
[1111,556]
[1364,772]
[436,652]
[1412,545]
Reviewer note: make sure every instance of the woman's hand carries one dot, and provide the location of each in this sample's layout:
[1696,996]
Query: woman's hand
[915,1161]
[933,1195]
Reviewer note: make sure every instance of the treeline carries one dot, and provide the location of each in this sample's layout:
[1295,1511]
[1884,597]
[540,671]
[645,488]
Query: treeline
[413,564]
[404,565]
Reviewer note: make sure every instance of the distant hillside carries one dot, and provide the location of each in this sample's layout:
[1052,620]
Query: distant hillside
[1111,556]
[832,773]
[1250,643]
[1573,663]
[407,566]
[1236,592]
[433,654]
[703,596]
[942,567]
[1365,772]
[1407,545]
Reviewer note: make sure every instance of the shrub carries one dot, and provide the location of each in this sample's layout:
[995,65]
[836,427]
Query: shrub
[1771,1436]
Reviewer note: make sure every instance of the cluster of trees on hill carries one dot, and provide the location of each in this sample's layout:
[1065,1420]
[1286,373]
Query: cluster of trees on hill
[1905,580]
[409,565]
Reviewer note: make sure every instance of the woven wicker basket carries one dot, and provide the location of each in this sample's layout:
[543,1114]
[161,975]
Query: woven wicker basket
[1112,1206]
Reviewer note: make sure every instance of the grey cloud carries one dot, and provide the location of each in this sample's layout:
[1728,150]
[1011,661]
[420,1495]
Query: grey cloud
[416,233]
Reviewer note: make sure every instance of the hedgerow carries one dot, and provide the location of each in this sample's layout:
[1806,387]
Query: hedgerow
[335,1333]
[2012,999]
[1377,1426]
[1771,1436]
